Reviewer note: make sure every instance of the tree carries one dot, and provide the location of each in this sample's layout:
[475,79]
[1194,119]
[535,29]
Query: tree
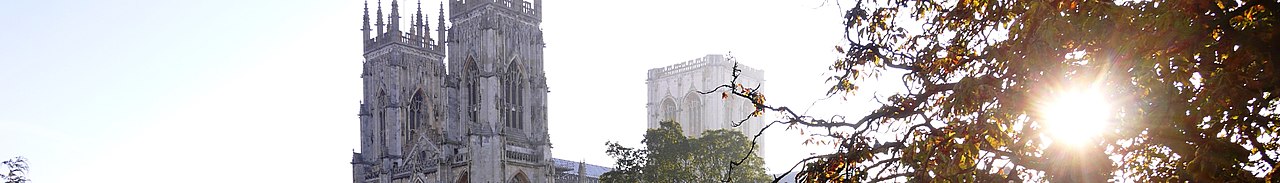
[1192,86]
[669,156]
[17,170]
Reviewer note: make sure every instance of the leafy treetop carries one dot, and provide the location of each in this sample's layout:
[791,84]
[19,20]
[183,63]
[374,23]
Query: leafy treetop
[1193,86]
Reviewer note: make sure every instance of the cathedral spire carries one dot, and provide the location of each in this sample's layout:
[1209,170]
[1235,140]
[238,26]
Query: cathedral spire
[365,26]
[413,27]
[440,29]
[380,24]
[395,20]
[419,33]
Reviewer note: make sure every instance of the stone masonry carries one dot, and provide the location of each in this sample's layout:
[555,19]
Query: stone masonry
[673,95]
[465,105]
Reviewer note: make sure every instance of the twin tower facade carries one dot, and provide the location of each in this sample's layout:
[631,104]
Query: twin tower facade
[460,103]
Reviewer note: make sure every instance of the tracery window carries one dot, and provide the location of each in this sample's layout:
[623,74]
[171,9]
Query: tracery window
[416,117]
[512,97]
[473,91]
[417,114]
[668,109]
[693,112]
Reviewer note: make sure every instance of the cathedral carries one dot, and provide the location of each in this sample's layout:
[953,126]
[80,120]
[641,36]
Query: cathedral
[465,105]
[673,95]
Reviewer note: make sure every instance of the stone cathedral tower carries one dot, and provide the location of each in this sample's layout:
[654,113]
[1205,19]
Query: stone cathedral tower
[673,95]
[467,105]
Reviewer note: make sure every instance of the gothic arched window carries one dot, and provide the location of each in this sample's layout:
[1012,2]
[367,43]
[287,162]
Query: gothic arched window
[382,118]
[473,91]
[668,109]
[464,178]
[519,178]
[416,116]
[693,112]
[512,98]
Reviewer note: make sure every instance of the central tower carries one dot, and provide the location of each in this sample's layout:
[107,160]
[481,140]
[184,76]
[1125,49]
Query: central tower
[467,105]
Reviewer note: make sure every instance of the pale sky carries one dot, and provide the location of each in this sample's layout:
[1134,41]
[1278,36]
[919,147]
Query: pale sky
[268,90]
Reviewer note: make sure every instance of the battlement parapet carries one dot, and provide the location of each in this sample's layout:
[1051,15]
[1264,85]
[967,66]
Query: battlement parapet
[531,9]
[391,30]
[711,60]
[421,42]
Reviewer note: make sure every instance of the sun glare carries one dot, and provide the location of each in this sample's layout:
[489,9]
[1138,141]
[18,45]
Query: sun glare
[1076,117]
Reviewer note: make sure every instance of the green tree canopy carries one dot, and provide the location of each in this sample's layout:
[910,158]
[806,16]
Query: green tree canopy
[1188,90]
[669,156]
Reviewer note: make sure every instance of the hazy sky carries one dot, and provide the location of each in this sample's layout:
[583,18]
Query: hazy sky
[268,90]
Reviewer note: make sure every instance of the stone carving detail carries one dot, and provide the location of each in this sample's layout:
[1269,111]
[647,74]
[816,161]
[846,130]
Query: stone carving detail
[404,59]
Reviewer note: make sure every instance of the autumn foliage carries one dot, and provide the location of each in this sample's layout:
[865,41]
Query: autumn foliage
[1192,87]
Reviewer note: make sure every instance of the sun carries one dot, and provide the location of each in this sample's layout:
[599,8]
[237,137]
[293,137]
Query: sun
[1076,117]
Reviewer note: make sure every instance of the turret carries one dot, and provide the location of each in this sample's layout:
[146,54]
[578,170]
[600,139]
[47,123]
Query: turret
[357,167]
[425,26]
[365,26]
[440,29]
[419,35]
[582,171]
[413,27]
[380,24]
[395,20]
[537,8]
